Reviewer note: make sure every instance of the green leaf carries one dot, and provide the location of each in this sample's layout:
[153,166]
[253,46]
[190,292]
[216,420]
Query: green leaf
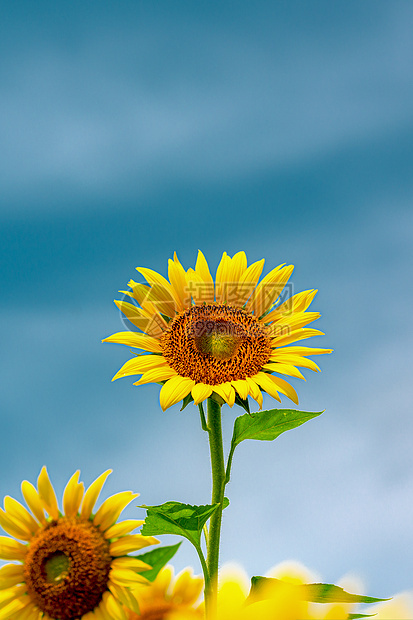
[268,425]
[356,616]
[188,399]
[225,503]
[177,518]
[157,559]
[311,592]
[242,403]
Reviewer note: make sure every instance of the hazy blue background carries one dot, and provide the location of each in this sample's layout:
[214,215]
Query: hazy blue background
[132,129]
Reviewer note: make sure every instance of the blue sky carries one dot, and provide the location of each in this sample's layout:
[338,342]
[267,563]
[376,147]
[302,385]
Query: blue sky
[133,129]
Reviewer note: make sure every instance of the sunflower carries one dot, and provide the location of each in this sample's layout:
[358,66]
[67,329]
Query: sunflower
[73,565]
[169,597]
[225,337]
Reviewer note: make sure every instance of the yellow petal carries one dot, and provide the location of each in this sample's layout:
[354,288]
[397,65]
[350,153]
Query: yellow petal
[130,562]
[17,605]
[111,509]
[126,578]
[201,392]
[254,391]
[187,588]
[304,351]
[295,335]
[295,360]
[17,530]
[72,495]
[202,269]
[156,375]
[124,595]
[124,527]
[264,380]
[226,391]
[11,549]
[138,341]
[269,289]
[20,514]
[8,594]
[47,494]
[139,365]
[10,571]
[175,390]
[242,388]
[221,278]
[296,303]
[128,544]
[112,606]
[147,319]
[177,277]
[284,369]
[30,612]
[278,384]
[92,494]
[200,291]
[33,500]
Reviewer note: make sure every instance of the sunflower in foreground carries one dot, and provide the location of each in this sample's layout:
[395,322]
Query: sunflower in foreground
[169,597]
[70,566]
[225,337]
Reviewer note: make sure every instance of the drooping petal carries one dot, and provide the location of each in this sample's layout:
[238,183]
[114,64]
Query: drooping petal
[92,494]
[226,391]
[112,606]
[72,495]
[254,391]
[174,390]
[279,384]
[138,341]
[111,508]
[264,380]
[242,388]
[125,596]
[201,392]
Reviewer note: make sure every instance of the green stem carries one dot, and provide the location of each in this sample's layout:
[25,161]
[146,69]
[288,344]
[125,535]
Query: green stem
[218,486]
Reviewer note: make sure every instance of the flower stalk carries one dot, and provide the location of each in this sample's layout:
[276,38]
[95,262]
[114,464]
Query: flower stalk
[218,486]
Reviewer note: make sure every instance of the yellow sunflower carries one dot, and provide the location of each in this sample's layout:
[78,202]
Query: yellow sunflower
[169,597]
[223,337]
[70,566]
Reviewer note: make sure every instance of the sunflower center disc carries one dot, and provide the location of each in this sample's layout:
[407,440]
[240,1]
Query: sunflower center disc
[216,343]
[56,567]
[66,568]
[217,338]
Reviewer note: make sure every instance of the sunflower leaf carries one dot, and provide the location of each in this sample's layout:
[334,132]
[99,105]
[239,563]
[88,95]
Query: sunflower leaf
[268,425]
[356,616]
[264,587]
[176,518]
[157,559]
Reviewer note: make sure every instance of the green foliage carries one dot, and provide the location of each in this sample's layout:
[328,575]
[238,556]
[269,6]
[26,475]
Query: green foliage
[268,425]
[177,518]
[311,592]
[157,559]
